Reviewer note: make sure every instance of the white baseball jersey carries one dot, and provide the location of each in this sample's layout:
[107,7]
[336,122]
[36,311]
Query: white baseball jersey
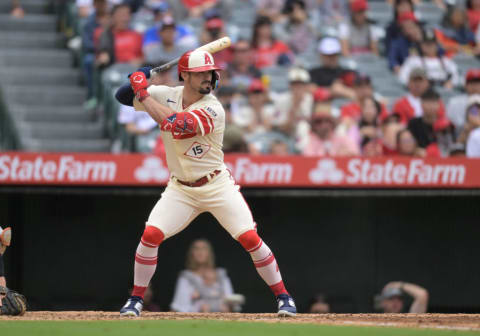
[192,158]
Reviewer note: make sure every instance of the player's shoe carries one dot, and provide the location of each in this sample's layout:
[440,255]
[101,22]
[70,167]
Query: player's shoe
[133,307]
[286,305]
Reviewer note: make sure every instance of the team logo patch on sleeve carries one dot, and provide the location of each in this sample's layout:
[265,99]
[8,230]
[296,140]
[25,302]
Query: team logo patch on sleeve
[211,111]
[197,150]
[172,118]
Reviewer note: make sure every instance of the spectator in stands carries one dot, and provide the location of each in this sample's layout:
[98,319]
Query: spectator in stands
[455,34]
[213,29]
[407,43]
[202,287]
[241,71]
[268,51]
[322,140]
[196,8]
[184,36]
[370,120]
[318,305]
[233,138]
[17,10]
[433,132]
[357,35]
[256,115]
[330,78]
[471,119]
[166,48]
[440,70]
[333,12]
[363,90]
[394,29]
[410,106]
[391,300]
[293,108]
[297,31]
[406,143]
[271,9]
[457,106]
[99,18]
[118,43]
[473,125]
[473,13]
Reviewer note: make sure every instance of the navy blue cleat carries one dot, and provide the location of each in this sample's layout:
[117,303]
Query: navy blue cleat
[133,307]
[286,306]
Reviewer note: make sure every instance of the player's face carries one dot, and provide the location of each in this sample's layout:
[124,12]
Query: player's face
[200,81]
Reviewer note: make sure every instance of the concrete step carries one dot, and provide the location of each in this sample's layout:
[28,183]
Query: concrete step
[35,145]
[29,6]
[31,40]
[44,95]
[52,113]
[60,131]
[38,58]
[42,76]
[31,22]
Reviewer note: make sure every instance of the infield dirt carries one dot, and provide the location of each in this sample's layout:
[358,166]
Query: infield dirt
[441,321]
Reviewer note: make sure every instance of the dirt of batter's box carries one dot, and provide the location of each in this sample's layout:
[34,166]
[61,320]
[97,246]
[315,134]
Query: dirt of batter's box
[447,321]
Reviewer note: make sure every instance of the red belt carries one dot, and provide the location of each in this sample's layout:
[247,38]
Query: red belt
[201,181]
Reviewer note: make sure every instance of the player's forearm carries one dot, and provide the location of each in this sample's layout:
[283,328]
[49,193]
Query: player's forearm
[420,297]
[157,111]
[3,281]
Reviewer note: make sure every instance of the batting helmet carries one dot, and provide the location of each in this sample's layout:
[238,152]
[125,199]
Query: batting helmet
[198,61]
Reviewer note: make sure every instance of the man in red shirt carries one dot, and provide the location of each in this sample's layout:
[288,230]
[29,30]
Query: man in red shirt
[118,43]
[410,106]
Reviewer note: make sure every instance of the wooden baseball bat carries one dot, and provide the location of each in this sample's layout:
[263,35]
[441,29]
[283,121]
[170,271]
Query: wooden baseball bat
[212,47]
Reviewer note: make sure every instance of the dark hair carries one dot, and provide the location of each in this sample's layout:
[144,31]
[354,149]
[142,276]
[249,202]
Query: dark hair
[117,7]
[289,4]
[378,107]
[260,21]
[430,94]
[447,18]
[395,13]
[468,4]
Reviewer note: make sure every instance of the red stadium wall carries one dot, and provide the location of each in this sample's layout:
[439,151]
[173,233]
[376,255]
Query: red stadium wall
[250,171]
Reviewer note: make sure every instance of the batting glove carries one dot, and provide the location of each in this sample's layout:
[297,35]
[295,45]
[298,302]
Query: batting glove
[139,84]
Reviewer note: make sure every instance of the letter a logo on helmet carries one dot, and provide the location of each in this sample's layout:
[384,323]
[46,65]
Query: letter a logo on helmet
[196,61]
[208,59]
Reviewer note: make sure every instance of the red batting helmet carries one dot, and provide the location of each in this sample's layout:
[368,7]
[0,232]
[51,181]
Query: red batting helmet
[198,61]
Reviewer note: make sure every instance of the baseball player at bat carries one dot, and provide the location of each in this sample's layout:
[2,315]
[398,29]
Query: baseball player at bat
[192,122]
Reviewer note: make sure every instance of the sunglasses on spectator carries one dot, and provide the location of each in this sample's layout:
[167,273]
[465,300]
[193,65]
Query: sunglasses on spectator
[256,91]
[321,120]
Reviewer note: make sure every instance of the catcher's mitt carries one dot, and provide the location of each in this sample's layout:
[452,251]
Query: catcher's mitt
[13,303]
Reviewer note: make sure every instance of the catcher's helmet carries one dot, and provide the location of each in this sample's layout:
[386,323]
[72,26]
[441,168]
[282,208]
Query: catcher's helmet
[198,61]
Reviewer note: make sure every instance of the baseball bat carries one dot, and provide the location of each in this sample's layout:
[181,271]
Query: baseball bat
[212,47]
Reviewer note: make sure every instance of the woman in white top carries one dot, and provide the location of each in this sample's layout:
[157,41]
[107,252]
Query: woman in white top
[202,287]
[440,69]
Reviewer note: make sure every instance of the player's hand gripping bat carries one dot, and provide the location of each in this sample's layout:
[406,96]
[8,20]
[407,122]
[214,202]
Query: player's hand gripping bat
[212,47]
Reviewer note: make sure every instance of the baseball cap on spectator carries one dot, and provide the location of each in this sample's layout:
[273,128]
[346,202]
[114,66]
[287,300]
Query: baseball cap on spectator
[362,79]
[407,16]
[157,6]
[329,46]
[391,292]
[167,22]
[256,86]
[298,75]
[359,5]
[214,23]
[418,73]
[473,75]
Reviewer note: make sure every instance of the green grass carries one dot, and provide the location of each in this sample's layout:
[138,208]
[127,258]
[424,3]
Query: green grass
[203,328]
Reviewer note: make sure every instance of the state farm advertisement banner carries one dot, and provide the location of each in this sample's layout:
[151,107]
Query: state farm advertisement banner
[250,171]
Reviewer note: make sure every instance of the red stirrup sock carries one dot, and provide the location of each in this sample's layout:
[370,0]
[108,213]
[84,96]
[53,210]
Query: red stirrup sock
[146,259]
[264,261]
